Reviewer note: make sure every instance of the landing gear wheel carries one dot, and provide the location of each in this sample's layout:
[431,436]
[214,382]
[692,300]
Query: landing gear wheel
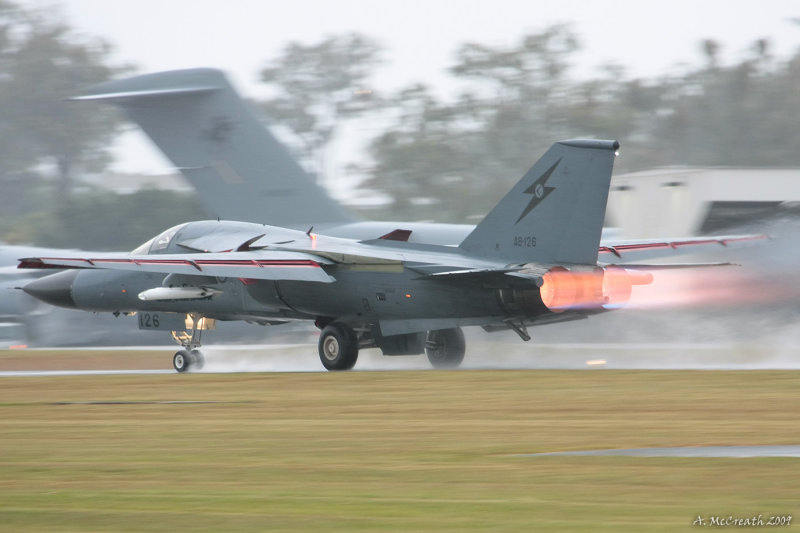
[445,347]
[338,347]
[181,361]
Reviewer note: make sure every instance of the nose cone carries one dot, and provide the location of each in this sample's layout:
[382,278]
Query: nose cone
[55,289]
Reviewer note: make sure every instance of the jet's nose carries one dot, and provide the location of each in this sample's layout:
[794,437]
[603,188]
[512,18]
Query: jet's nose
[55,289]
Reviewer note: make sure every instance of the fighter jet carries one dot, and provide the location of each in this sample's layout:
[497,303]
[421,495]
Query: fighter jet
[535,259]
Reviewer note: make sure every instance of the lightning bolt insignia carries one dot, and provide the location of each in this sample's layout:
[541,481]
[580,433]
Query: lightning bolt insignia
[538,190]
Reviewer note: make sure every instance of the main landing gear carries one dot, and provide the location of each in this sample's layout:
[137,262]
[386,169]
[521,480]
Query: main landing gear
[445,348]
[339,345]
[189,356]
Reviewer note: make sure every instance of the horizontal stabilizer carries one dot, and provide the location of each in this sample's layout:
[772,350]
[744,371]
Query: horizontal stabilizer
[671,266]
[143,93]
[657,248]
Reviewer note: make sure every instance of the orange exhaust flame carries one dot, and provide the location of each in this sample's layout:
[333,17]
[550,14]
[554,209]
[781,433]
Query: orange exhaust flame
[618,285]
[599,289]
[713,287]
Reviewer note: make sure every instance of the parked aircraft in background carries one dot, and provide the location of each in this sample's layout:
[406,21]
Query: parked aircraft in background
[214,138]
[535,259]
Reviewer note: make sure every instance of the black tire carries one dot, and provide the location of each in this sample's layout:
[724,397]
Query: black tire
[338,347]
[445,348]
[198,361]
[182,361]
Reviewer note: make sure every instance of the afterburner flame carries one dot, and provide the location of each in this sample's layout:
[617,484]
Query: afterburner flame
[714,288]
[618,285]
[608,288]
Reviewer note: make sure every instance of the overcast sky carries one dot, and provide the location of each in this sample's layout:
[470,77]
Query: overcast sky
[240,36]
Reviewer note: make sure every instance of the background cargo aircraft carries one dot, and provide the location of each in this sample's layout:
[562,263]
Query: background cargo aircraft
[214,138]
[532,260]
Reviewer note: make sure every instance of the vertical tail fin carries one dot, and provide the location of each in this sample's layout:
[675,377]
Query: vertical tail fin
[238,167]
[555,213]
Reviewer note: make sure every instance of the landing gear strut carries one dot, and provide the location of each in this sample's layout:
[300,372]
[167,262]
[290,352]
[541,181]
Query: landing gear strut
[190,356]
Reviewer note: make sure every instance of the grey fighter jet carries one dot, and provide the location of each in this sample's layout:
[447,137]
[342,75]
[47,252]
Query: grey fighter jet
[536,258]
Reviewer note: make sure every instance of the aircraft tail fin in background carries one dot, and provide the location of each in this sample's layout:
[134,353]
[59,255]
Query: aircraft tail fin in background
[555,213]
[240,170]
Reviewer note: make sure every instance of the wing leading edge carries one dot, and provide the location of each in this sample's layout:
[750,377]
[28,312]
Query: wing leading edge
[284,266]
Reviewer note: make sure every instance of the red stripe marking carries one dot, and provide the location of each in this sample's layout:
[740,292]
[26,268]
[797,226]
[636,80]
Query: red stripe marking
[644,246]
[257,263]
[690,243]
[753,238]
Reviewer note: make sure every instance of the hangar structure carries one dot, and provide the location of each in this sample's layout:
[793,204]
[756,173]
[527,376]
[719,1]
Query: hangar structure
[674,201]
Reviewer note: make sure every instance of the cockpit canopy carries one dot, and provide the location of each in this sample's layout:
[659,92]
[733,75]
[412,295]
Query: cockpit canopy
[160,244]
[212,236]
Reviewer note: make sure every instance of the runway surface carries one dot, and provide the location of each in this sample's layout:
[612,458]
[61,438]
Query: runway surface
[480,355]
[44,373]
[691,451]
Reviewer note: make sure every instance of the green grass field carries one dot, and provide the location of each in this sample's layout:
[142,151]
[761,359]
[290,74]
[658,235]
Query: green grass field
[391,451]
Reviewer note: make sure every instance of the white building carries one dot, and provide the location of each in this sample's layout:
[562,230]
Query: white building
[682,201]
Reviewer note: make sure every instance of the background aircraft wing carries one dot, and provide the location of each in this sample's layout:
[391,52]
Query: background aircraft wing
[292,266]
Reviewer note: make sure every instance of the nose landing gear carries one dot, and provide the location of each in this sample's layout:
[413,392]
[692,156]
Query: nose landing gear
[190,356]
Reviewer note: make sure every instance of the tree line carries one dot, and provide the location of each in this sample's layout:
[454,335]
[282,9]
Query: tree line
[431,159]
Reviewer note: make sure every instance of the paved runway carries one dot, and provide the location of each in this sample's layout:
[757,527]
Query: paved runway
[40,373]
[480,355]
